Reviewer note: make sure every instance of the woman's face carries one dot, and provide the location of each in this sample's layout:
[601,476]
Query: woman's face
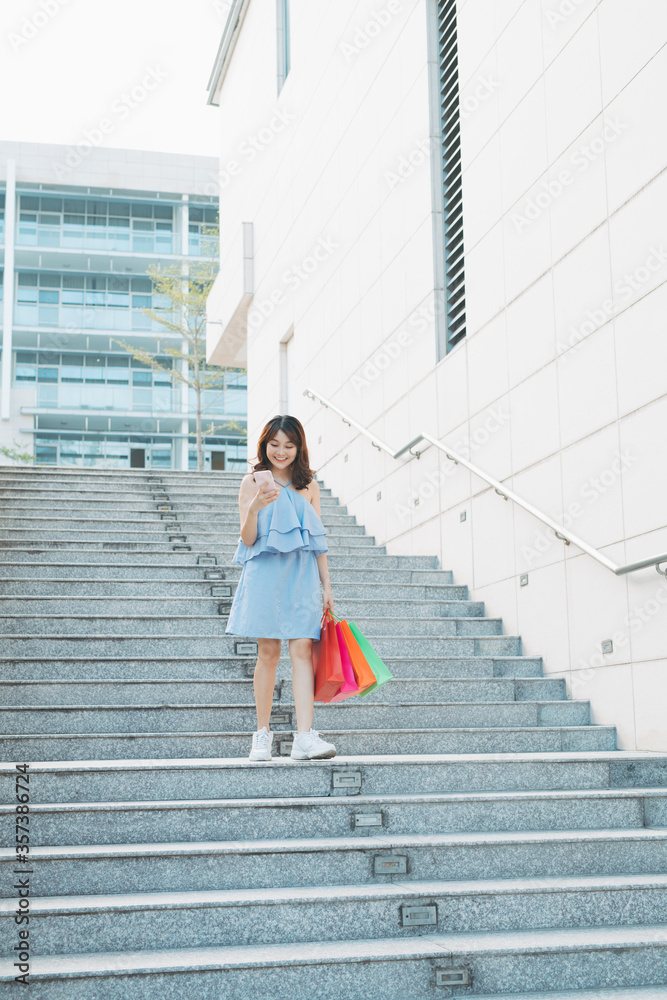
[280,451]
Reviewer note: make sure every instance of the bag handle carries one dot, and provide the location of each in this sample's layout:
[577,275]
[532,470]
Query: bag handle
[327,611]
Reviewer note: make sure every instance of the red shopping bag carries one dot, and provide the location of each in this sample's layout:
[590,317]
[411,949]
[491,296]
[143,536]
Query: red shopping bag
[349,686]
[327,666]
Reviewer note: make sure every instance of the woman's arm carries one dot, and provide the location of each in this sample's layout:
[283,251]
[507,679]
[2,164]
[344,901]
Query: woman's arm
[251,501]
[327,598]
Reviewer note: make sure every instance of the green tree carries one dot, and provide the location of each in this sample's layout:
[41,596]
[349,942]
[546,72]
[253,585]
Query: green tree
[179,305]
[17,454]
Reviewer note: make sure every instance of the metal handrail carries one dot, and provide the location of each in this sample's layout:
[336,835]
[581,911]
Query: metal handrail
[561,531]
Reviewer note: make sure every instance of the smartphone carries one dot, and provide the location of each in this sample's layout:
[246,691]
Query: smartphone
[263,477]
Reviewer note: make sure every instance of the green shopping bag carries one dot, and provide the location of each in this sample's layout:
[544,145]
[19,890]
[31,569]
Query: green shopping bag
[381,672]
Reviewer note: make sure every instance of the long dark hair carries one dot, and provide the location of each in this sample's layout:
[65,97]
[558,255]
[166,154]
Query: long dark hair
[302,474]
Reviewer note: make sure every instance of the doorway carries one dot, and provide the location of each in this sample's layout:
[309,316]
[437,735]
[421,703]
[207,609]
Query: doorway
[217,461]
[137,458]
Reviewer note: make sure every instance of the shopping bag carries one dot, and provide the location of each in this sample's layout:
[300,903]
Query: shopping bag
[329,676]
[349,686]
[380,670]
[363,674]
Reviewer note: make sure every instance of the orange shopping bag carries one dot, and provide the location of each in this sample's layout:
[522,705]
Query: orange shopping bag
[363,673]
[327,666]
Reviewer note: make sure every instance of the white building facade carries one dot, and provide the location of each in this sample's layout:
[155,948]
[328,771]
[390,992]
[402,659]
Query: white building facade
[525,330]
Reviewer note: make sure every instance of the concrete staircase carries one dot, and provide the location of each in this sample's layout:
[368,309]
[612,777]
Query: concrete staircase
[476,834]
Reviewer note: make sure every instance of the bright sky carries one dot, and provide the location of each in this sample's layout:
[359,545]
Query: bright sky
[67,64]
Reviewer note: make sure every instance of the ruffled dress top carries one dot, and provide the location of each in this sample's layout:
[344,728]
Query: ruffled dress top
[289,523]
[279,594]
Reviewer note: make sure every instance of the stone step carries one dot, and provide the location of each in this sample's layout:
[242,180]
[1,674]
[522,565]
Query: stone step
[84,691]
[455,741]
[161,821]
[396,612]
[608,993]
[152,501]
[189,586]
[151,777]
[124,488]
[90,474]
[204,865]
[400,595]
[215,668]
[370,566]
[193,514]
[227,917]
[114,616]
[223,525]
[108,563]
[156,644]
[224,535]
[132,508]
[99,566]
[164,542]
[351,714]
[570,959]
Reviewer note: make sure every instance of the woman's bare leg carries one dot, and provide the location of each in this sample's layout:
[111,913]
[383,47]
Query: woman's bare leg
[264,681]
[301,652]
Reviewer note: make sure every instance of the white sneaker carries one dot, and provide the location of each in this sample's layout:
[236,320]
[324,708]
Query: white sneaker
[311,746]
[261,744]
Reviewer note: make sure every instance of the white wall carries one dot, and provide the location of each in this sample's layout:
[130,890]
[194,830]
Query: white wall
[559,387]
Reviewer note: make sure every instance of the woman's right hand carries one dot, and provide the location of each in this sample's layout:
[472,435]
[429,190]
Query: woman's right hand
[263,497]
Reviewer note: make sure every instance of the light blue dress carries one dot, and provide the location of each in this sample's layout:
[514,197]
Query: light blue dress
[279,594]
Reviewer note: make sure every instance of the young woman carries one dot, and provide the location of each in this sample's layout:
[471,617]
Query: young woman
[282,550]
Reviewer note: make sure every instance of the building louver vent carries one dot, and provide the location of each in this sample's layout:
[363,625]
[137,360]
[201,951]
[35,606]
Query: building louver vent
[451,173]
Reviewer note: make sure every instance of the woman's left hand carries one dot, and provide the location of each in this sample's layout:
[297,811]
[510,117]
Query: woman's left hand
[327,599]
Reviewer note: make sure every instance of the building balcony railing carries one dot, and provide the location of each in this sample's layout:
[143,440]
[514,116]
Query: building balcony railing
[86,318]
[108,239]
[126,398]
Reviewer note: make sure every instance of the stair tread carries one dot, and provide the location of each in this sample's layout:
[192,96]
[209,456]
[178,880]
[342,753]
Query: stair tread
[174,763]
[298,894]
[323,845]
[438,946]
[344,802]
[608,993]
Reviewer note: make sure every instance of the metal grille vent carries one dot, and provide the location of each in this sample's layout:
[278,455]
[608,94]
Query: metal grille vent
[450,135]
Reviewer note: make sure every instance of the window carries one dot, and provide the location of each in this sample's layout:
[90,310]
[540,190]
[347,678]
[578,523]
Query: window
[283,40]
[98,302]
[449,251]
[92,222]
[200,218]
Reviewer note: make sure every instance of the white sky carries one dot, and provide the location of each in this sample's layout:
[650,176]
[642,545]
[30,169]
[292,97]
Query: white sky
[77,66]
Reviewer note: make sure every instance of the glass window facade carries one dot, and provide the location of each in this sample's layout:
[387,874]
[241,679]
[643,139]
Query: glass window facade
[200,218]
[87,301]
[95,224]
